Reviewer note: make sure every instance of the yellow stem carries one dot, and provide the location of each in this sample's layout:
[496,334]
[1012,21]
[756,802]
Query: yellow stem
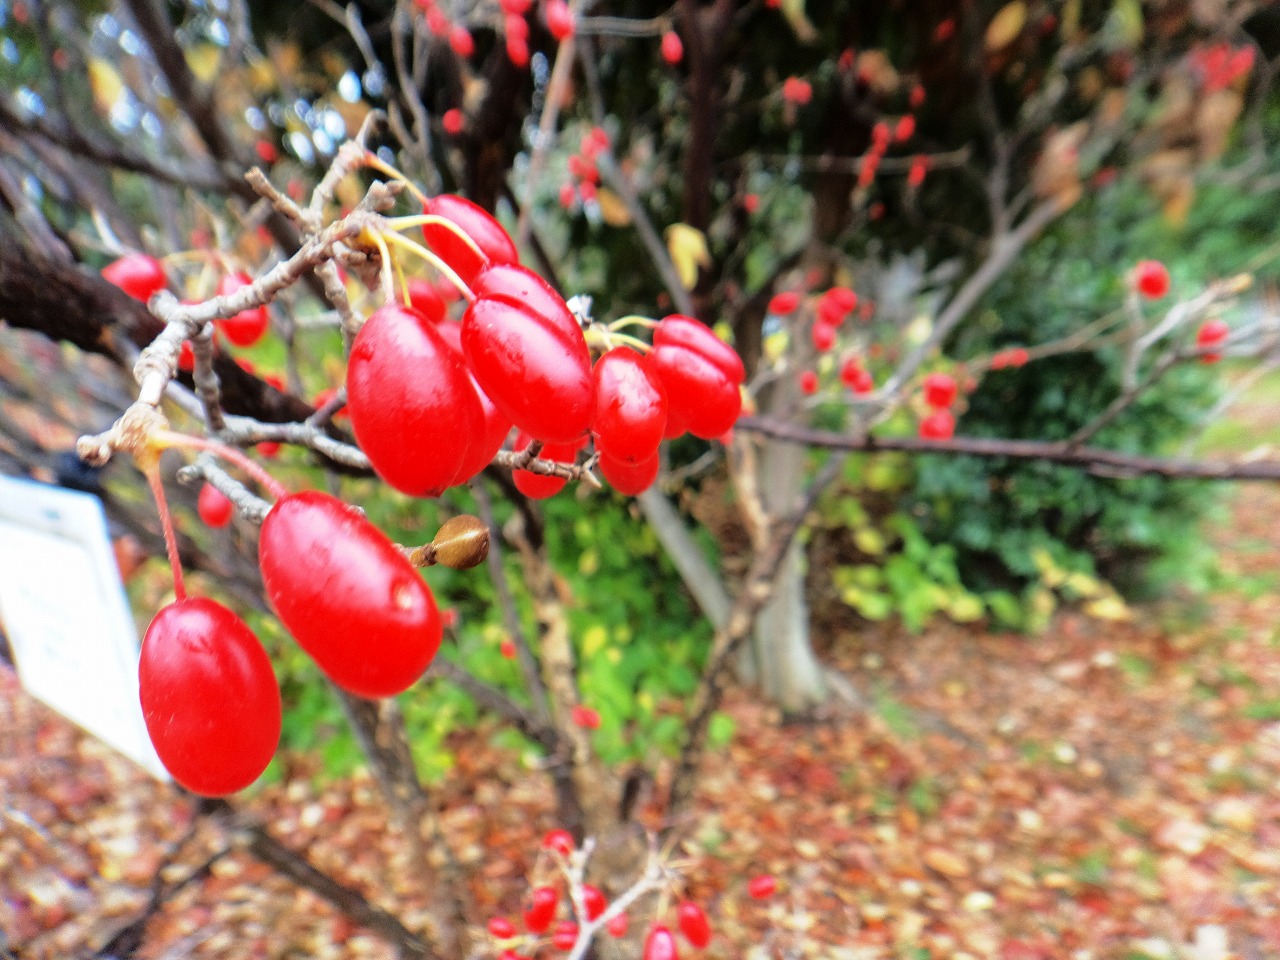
[435,220]
[373,160]
[421,251]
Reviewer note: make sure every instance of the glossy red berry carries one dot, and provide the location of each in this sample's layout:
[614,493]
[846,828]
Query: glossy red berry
[836,304]
[808,382]
[939,425]
[593,901]
[617,926]
[478,224]
[1211,334]
[213,506]
[462,42]
[694,924]
[1151,278]
[560,841]
[824,336]
[209,697]
[413,407]
[781,304]
[140,275]
[541,910]
[248,326]
[502,928]
[533,366]
[939,390]
[517,46]
[586,717]
[672,47]
[348,596]
[679,330]
[905,129]
[452,121]
[660,944]
[631,407]
[559,19]
[630,479]
[763,886]
[565,935]
[797,90]
[539,486]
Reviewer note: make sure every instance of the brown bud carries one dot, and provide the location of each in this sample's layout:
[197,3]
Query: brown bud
[462,543]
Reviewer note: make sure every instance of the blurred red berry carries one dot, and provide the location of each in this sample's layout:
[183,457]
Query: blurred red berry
[763,886]
[672,47]
[1151,278]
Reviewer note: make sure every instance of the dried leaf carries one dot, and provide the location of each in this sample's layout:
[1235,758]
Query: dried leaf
[688,248]
[613,209]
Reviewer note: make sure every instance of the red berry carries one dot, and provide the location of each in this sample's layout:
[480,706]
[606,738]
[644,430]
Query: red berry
[586,717]
[413,407]
[478,224]
[939,390]
[660,944]
[533,365]
[836,304]
[905,129]
[631,407]
[797,90]
[917,97]
[560,841]
[617,926]
[268,448]
[763,886]
[680,330]
[1211,334]
[426,298]
[694,924]
[630,479]
[565,935]
[515,26]
[559,19]
[186,357]
[502,928]
[517,48]
[880,136]
[916,173]
[701,397]
[452,121]
[808,382]
[515,8]
[248,326]
[1151,277]
[542,909]
[507,648]
[209,697]
[672,48]
[593,902]
[347,594]
[781,304]
[140,275]
[437,22]
[824,336]
[856,378]
[213,506]
[539,486]
[751,202]
[939,425]
[461,41]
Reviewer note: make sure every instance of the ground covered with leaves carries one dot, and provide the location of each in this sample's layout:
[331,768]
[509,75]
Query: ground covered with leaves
[1101,791]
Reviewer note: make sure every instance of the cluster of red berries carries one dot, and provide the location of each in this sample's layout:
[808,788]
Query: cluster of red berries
[431,402]
[1212,334]
[584,175]
[1220,65]
[1012,357]
[831,310]
[939,394]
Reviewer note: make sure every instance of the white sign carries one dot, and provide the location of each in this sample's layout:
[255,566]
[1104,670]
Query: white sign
[64,611]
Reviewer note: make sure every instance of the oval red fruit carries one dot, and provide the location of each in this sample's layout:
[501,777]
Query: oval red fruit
[631,407]
[559,19]
[701,397]
[478,224]
[348,596]
[1211,334]
[660,944]
[672,47]
[697,336]
[517,284]
[560,841]
[413,408]
[808,382]
[565,935]
[781,304]
[939,390]
[694,924]
[140,275]
[213,506]
[534,369]
[939,425]
[502,928]
[248,326]
[1151,277]
[763,886]
[617,926]
[539,486]
[542,909]
[630,479]
[593,902]
[209,697]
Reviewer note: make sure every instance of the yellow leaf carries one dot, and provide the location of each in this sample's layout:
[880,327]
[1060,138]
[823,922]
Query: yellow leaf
[1110,607]
[105,83]
[965,608]
[204,59]
[1006,25]
[869,541]
[1082,585]
[688,249]
[613,210]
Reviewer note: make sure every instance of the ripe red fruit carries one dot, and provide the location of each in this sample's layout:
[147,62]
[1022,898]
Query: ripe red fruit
[461,41]
[209,698]
[916,173]
[507,648]
[824,336]
[797,90]
[700,373]
[323,397]
[1151,278]
[631,407]
[808,382]
[679,330]
[939,390]
[586,717]
[856,378]
[781,304]
[660,944]
[672,47]
[348,596]
[559,19]
[565,935]
[533,365]
[559,840]
[213,506]
[906,128]
[1211,334]
[694,924]
[880,136]
[917,97]
[515,8]
[248,326]
[413,407]
[939,425]
[140,275]
[541,910]
[539,486]
[452,121]
[478,224]
[836,304]
[593,902]
[630,479]
[425,297]
[517,46]
[617,926]
[763,886]
[502,928]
